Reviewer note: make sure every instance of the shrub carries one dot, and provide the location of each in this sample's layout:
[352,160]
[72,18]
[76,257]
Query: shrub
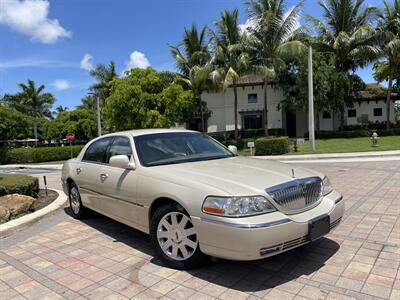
[40,154]
[19,184]
[272,146]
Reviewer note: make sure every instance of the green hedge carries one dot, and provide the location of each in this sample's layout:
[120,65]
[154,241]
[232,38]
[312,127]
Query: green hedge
[39,154]
[272,146]
[19,184]
[354,133]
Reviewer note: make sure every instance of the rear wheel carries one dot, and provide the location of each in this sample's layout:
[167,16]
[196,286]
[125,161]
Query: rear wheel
[75,202]
[174,237]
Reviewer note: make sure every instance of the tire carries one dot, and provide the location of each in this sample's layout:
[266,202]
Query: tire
[181,246]
[75,202]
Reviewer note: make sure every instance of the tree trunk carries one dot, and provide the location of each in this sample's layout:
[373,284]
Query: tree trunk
[388,100]
[265,111]
[318,127]
[235,108]
[35,131]
[342,117]
[201,113]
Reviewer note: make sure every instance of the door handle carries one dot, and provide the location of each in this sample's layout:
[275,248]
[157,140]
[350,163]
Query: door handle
[78,170]
[103,176]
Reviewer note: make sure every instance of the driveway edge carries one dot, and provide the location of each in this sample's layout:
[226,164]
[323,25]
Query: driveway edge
[12,226]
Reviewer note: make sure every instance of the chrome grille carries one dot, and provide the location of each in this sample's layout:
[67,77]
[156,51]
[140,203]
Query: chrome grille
[298,194]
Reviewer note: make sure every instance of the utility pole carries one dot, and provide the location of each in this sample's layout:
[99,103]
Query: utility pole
[311,133]
[98,116]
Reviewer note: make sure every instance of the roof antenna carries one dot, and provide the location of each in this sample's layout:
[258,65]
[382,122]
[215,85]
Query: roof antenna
[293,173]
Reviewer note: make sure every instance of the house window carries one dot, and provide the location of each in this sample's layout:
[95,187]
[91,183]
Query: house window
[352,113]
[326,115]
[377,112]
[252,98]
[253,121]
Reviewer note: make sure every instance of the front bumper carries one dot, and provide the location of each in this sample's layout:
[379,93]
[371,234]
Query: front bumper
[265,235]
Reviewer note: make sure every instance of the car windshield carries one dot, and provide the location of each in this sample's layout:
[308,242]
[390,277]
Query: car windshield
[177,147]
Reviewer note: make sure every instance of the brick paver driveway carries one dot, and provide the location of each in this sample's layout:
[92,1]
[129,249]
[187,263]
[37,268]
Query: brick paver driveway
[102,259]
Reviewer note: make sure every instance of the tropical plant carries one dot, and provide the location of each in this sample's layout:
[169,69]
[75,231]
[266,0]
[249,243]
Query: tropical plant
[103,74]
[88,102]
[33,102]
[276,35]
[191,59]
[60,109]
[231,59]
[347,32]
[389,27]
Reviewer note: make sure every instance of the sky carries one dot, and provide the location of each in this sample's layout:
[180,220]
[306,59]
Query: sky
[57,42]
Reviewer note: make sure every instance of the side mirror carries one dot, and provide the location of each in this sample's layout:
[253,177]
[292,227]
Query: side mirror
[122,161]
[233,149]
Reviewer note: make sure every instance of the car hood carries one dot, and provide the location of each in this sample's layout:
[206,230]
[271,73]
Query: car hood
[236,175]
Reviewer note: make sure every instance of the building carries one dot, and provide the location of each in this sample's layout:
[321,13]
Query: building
[370,107]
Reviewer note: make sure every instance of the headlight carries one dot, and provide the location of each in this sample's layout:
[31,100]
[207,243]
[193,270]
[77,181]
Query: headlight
[326,186]
[237,206]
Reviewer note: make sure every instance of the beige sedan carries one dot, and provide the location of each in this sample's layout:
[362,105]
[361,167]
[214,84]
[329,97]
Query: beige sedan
[196,197]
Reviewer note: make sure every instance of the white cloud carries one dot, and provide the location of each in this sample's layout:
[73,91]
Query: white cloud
[60,84]
[137,60]
[35,62]
[250,23]
[30,17]
[87,62]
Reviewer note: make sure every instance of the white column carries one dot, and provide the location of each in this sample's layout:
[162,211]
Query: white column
[310,101]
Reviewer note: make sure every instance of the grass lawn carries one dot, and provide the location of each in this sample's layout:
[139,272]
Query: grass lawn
[361,144]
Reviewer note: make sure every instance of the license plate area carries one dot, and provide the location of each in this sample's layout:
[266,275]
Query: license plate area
[318,227]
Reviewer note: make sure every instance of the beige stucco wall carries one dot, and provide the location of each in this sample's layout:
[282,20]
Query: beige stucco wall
[222,117]
[367,108]
[221,105]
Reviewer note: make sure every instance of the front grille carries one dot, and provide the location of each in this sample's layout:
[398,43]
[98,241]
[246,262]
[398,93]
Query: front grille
[298,194]
[284,246]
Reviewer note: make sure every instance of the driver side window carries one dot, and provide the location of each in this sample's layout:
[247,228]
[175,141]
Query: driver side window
[120,146]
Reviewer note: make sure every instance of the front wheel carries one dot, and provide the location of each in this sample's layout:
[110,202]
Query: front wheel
[75,202]
[174,237]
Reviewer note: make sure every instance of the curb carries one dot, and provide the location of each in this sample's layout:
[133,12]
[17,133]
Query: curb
[13,226]
[29,166]
[366,154]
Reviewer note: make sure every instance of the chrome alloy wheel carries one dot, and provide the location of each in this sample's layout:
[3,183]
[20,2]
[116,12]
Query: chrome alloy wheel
[75,201]
[176,236]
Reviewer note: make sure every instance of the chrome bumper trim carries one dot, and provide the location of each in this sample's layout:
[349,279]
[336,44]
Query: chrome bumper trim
[248,226]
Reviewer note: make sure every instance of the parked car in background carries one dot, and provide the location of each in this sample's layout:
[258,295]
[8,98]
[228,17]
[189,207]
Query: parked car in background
[195,197]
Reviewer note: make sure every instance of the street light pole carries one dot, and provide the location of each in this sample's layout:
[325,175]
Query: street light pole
[98,116]
[311,132]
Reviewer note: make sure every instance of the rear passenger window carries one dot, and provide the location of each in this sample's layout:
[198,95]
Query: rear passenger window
[120,146]
[96,151]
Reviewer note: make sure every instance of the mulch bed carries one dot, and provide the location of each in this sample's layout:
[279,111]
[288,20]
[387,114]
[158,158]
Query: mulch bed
[43,199]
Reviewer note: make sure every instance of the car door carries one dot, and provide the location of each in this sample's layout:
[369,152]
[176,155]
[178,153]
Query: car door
[88,172]
[119,185]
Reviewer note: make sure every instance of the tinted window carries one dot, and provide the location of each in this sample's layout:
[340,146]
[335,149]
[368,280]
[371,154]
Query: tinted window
[177,147]
[377,112]
[252,98]
[351,113]
[96,150]
[120,146]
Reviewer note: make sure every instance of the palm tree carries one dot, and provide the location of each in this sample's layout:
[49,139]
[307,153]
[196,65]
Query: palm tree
[60,109]
[389,27]
[191,57]
[231,58]
[103,74]
[35,102]
[276,35]
[348,33]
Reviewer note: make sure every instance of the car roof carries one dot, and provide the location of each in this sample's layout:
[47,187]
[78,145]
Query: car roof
[138,132]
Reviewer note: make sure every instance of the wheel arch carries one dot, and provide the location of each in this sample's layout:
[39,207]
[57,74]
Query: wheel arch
[161,201]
